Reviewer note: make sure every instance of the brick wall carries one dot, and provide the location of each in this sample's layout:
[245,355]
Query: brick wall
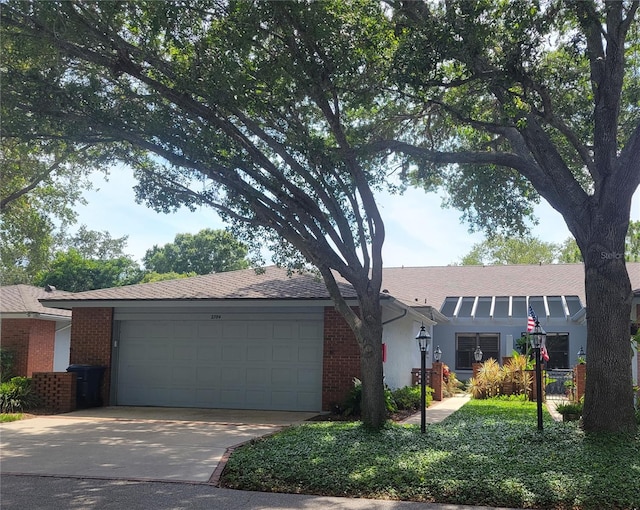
[41,346]
[32,342]
[15,337]
[91,332]
[341,359]
[56,390]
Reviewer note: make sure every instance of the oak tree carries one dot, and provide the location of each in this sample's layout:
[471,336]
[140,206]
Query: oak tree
[253,108]
[513,101]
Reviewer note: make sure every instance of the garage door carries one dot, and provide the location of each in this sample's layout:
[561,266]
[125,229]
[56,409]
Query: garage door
[236,364]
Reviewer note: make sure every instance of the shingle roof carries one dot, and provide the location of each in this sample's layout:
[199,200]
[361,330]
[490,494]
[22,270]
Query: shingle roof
[431,285]
[272,283]
[23,299]
[419,286]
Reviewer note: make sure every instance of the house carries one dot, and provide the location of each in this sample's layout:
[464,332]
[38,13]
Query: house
[241,339]
[270,340]
[38,336]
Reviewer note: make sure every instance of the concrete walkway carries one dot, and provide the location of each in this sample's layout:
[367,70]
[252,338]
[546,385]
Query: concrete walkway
[438,411]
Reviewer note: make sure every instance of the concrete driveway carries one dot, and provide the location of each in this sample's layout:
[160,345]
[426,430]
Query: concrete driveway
[134,443]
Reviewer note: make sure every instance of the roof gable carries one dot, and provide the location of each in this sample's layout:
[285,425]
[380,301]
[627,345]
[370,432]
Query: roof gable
[24,299]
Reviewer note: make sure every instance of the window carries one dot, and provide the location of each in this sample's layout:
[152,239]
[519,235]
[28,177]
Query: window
[466,344]
[558,350]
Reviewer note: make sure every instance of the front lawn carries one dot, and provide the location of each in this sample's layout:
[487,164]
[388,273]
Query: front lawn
[7,417]
[487,453]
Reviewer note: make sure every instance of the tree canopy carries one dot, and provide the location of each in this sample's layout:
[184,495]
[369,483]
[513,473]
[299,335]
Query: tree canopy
[208,251]
[72,272]
[517,100]
[39,185]
[511,250]
[255,109]
[502,249]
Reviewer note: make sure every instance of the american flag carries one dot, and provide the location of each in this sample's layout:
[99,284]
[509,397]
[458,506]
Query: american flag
[531,320]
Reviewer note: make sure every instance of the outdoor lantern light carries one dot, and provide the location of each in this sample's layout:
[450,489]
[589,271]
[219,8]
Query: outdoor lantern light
[477,354]
[582,354]
[423,343]
[537,341]
[423,339]
[437,354]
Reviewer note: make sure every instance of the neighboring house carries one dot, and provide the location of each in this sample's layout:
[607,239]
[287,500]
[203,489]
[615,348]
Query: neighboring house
[272,341]
[38,336]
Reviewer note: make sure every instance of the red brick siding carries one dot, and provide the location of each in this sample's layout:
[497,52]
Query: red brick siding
[341,359]
[91,333]
[57,390]
[15,337]
[32,341]
[41,346]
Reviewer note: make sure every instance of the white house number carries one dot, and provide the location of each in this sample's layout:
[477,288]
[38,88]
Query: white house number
[216,317]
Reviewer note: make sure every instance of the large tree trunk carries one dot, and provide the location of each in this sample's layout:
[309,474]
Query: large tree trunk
[374,412]
[608,404]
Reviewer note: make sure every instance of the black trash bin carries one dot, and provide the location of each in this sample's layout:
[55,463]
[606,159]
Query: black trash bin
[88,384]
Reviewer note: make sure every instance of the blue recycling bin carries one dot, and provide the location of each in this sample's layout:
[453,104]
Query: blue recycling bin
[88,384]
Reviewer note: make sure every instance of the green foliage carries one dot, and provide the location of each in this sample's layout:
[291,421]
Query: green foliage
[208,251]
[72,272]
[488,453]
[501,249]
[16,395]
[40,183]
[451,385]
[492,379]
[570,408]
[92,244]
[8,417]
[352,406]
[7,360]
[159,277]
[408,397]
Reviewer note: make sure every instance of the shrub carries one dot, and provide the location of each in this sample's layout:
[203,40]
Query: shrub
[515,372]
[451,384]
[352,404]
[570,408]
[16,395]
[492,380]
[408,397]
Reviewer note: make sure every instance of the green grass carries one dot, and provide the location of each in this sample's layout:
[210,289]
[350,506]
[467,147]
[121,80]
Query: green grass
[7,417]
[487,453]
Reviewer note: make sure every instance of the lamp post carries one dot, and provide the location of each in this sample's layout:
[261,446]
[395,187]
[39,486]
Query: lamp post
[423,343]
[537,338]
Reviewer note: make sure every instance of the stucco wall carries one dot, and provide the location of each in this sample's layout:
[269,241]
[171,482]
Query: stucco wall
[402,352]
[445,336]
[62,346]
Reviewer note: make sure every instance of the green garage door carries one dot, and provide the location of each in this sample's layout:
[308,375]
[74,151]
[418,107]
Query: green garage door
[235,364]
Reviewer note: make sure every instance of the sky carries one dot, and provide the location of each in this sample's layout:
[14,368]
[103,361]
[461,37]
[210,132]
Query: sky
[419,232]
